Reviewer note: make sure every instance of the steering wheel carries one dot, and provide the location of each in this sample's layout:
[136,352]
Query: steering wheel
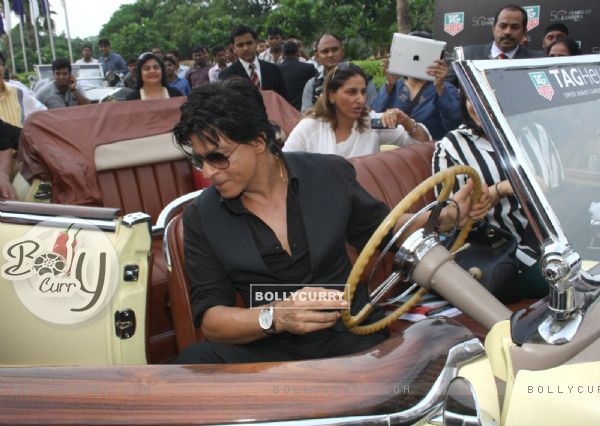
[446,178]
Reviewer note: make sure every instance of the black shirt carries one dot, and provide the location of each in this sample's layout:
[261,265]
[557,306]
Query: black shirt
[326,207]
[294,268]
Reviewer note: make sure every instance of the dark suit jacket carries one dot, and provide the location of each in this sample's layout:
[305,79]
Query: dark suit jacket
[482,51]
[270,76]
[295,75]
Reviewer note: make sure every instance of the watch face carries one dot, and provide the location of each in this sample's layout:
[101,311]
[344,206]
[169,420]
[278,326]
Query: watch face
[265,318]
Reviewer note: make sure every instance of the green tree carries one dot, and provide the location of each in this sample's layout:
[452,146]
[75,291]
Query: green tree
[366,27]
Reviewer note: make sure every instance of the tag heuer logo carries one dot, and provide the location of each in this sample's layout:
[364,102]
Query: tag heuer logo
[533,16]
[542,84]
[454,22]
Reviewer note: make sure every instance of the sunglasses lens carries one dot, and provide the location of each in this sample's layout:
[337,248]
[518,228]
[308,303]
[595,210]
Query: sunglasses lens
[217,160]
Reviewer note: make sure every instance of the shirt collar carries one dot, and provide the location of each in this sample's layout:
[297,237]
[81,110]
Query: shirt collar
[236,206]
[496,51]
[246,64]
[479,141]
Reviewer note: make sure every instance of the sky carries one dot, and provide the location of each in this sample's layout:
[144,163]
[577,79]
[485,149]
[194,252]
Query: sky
[86,17]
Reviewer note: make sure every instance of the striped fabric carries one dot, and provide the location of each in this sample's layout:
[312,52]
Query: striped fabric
[11,105]
[462,147]
[542,154]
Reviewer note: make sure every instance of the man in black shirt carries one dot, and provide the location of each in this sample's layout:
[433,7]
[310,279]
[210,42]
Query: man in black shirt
[269,218]
[280,221]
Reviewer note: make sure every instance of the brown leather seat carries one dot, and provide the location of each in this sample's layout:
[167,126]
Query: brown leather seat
[388,176]
[179,289]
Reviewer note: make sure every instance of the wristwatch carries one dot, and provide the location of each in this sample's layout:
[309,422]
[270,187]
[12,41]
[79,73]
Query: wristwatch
[265,320]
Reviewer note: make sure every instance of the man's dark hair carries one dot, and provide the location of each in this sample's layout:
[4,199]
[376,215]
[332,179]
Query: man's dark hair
[571,45]
[557,26]
[233,109]
[86,46]
[216,50]
[274,31]
[290,49]
[514,8]
[140,63]
[422,34]
[61,64]
[199,48]
[329,35]
[170,59]
[132,61]
[241,30]
[103,42]
[276,48]
[174,53]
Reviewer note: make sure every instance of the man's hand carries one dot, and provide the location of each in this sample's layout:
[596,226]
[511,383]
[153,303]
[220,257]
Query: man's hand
[72,83]
[308,310]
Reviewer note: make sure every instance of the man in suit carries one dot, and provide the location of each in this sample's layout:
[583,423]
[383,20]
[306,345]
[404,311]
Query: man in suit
[295,73]
[329,53]
[510,26]
[264,75]
[553,32]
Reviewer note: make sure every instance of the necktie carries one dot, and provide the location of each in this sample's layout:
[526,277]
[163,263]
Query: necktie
[254,76]
[502,56]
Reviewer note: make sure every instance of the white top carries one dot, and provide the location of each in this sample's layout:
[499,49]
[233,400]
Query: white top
[83,62]
[317,135]
[182,71]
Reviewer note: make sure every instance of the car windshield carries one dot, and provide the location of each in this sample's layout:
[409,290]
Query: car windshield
[552,111]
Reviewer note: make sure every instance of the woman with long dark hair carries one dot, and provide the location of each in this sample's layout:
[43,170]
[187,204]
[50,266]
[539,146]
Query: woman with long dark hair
[152,80]
[340,122]
[469,145]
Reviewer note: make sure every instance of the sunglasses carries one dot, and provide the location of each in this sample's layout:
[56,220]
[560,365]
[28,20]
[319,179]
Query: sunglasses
[215,159]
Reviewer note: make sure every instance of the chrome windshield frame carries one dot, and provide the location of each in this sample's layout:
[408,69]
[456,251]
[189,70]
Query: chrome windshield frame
[560,263]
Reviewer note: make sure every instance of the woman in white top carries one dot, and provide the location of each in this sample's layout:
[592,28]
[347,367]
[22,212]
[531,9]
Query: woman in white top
[340,122]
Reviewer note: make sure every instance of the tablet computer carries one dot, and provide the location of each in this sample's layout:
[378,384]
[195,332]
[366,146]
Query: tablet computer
[410,56]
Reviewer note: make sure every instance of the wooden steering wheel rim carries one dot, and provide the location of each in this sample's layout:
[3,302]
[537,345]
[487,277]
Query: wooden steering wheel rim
[446,178]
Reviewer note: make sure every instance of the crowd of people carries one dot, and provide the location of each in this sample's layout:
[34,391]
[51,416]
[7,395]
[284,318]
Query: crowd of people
[269,196]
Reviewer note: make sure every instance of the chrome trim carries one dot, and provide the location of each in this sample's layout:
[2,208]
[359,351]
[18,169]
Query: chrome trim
[165,246]
[558,332]
[412,251]
[165,215]
[58,221]
[134,218]
[561,264]
[458,355]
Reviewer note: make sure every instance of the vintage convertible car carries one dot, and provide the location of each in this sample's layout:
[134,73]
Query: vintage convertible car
[83,308]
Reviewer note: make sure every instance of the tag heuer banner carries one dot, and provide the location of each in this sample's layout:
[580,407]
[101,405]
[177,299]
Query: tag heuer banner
[464,22]
[548,88]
